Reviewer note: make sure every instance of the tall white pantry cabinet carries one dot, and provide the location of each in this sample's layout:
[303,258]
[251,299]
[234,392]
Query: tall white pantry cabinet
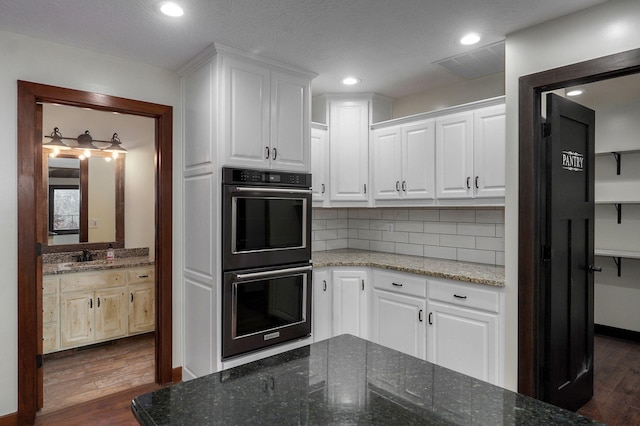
[239,110]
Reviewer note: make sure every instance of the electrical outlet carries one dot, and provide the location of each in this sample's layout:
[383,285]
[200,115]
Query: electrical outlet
[93,223]
[390,227]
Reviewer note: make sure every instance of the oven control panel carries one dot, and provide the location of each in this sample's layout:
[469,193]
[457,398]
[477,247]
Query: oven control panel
[265,177]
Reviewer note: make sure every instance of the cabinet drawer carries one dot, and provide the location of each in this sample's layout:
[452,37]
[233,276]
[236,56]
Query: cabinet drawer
[400,283]
[73,282]
[464,295]
[141,275]
[49,285]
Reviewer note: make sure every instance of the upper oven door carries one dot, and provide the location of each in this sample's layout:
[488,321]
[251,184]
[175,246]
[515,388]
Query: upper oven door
[265,226]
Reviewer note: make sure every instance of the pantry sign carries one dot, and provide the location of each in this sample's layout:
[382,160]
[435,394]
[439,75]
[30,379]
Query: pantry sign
[572,161]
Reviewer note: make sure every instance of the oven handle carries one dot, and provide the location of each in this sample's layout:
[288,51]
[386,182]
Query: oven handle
[272,273]
[272,190]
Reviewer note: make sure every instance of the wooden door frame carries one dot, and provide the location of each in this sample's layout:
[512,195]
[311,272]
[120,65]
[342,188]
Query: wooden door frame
[29,94]
[530,320]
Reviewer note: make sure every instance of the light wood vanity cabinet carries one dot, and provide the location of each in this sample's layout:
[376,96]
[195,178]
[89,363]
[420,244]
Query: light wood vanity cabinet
[90,307]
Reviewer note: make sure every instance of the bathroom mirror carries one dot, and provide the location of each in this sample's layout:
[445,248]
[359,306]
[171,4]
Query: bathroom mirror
[84,202]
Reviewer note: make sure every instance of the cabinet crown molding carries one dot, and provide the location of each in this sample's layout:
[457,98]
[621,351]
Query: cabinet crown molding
[215,49]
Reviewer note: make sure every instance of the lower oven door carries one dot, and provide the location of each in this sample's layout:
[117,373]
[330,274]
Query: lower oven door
[264,307]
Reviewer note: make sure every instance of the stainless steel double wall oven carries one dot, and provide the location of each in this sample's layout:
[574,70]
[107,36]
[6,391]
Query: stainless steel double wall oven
[266,243]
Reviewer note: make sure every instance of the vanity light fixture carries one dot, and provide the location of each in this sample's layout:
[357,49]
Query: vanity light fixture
[350,81]
[84,144]
[469,39]
[171,9]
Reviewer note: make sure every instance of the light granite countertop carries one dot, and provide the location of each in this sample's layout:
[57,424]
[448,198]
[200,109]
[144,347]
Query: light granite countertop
[95,265]
[462,271]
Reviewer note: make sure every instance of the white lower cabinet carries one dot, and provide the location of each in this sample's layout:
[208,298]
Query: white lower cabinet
[350,305]
[399,310]
[451,323]
[464,329]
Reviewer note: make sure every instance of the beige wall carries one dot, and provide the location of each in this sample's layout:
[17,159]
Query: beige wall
[447,96]
[611,27]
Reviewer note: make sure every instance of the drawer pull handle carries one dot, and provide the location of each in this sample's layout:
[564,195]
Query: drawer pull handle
[132,297]
[143,276]
[90,303]
[420,315]
[396,284]
[98,302]
[324,285]
[459,297]
[431,318]
[362,285]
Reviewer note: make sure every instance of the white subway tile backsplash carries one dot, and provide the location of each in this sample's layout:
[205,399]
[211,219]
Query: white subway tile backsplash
[428,239]
[398,237]
[410,249]
[465,234]
[425,215]
[477,256]
[489,243]
[460,241]
[477,229]
[385,246]
[490,216]
[458,215]
[407,226]
[358,244]
[440,228]
[440,252]
[395,214]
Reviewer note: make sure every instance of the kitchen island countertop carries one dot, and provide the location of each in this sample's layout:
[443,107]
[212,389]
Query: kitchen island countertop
[462,271]
[343,380]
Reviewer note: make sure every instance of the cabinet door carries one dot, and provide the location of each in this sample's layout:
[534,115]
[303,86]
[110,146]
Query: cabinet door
[142,316]
[111,313]
[247,102]
[387,163]
[463,340]
[321,311]
[319,161]
[349,152]
[76,318]
[349,302]
[454,156]
[418,160]
[489,151]
[290,118]
[399,322]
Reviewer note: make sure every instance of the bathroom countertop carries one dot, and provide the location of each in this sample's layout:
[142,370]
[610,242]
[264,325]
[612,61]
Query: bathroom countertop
[343,380]
[462,271]
[95,265]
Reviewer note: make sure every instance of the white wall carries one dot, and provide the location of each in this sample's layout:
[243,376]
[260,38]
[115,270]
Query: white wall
[25,58]
[477,89]
[609,28]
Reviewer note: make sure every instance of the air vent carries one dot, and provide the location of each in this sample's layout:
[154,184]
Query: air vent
[476,63]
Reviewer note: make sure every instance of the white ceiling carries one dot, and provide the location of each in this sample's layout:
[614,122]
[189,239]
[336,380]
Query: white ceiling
[389,44]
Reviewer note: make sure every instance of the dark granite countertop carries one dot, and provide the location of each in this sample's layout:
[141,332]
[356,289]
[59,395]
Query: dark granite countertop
[343,380]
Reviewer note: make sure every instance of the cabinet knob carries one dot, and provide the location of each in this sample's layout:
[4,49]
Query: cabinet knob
[323,188]
[398,185]
[477,182]
[468,182]
[275,153]
[324,285]
[420,315]
[404,185]
[267,151]
[431,318]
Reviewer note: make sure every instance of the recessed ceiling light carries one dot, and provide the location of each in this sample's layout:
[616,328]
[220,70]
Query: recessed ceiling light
[350,81]
[574,92]
[469,39]
[171,9]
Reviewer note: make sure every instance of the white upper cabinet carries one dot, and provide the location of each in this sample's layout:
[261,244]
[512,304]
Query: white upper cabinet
[319,165]
[349,150]
[266,116]
[470,154]
[404,162]
[489,151]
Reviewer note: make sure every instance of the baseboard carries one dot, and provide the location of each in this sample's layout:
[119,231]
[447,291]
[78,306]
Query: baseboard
[176,375]
[9,420]
[619,333]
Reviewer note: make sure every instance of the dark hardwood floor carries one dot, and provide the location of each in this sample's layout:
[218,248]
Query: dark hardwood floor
[616,399]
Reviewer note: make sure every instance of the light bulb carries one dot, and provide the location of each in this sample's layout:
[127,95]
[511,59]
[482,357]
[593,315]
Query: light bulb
[81,157]
[107,159]
[114,155]
[87,153]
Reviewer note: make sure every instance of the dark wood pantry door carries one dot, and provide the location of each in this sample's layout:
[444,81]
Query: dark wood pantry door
[568,253]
